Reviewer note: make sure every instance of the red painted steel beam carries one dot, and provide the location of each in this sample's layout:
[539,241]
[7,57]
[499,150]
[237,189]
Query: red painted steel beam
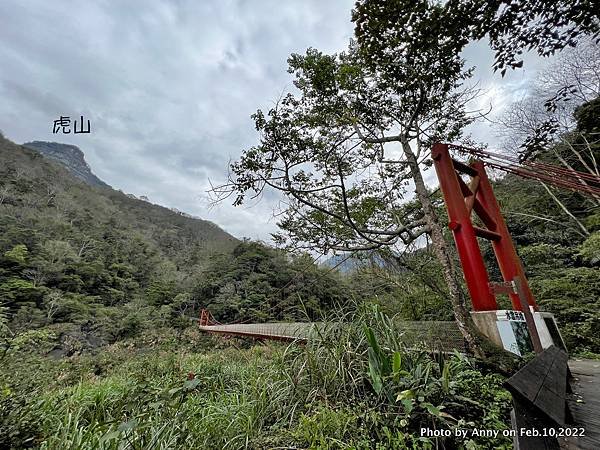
[459,216]
[472,203]
[462,167]
[473,186]
[487,234]
[509,262]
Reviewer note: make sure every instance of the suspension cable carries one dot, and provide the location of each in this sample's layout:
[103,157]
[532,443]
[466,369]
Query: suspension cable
[586,183]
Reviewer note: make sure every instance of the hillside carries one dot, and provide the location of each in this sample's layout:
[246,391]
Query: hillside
[93,265]
[61,193]
[74,253]
[346,263]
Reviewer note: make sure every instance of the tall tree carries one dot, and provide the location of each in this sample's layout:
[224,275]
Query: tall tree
[511,26]
[346,150]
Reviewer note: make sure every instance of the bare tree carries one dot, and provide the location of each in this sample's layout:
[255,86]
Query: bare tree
[52,303]
[5,192]
[86,245]
[577,67]
[571,80]
[549,111]
[37,275]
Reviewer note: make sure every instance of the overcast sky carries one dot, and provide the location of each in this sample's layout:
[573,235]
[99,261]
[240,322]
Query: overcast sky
[169,86]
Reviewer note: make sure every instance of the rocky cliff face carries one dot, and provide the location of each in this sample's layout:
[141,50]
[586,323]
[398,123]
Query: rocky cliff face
[69,156]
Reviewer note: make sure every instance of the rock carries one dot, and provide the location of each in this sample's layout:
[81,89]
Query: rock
[69,156]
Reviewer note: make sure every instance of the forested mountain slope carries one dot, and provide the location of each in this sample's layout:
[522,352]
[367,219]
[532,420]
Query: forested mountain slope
[96,265]
[29,180]
[68,250]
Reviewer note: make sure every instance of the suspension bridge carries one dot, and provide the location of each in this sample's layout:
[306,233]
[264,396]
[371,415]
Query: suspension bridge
[439,335]
[463,200]
[550,390]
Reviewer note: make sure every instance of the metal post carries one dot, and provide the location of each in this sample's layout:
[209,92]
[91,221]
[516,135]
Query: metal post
[529,319]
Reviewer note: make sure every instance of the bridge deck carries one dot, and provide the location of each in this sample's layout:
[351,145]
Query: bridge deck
[586,411]
[295,331]
[439,335]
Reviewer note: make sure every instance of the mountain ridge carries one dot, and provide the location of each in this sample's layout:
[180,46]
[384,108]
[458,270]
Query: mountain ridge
[30,178]
[71,157]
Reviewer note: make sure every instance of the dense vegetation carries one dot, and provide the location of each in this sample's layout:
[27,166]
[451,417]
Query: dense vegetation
[557,234]
[355,388]
[93,265]
[136,375]
[99,290]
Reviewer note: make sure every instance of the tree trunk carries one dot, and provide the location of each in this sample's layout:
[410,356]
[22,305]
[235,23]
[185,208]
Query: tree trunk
[463,318]
[565,209]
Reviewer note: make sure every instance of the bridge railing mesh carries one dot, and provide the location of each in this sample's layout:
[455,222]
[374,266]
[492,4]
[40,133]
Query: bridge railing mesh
[437,335]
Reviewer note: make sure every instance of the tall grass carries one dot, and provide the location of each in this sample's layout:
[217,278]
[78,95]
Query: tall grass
[353,385]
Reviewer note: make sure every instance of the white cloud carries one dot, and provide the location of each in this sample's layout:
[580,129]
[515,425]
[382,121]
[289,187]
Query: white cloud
[169,86]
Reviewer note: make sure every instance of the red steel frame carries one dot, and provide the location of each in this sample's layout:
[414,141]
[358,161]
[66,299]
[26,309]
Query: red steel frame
[206,318]
[461,200]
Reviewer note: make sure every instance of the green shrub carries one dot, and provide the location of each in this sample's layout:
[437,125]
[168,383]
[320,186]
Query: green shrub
[351,386]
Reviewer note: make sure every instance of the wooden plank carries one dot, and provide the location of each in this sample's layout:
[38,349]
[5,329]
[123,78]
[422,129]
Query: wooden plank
[543,383]
[552,404]
[530,378]
[529,383]
[556,379]
[523,417]
[584,404]
[551,396]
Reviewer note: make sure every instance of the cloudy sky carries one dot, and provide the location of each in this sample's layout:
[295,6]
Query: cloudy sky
[169,86]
